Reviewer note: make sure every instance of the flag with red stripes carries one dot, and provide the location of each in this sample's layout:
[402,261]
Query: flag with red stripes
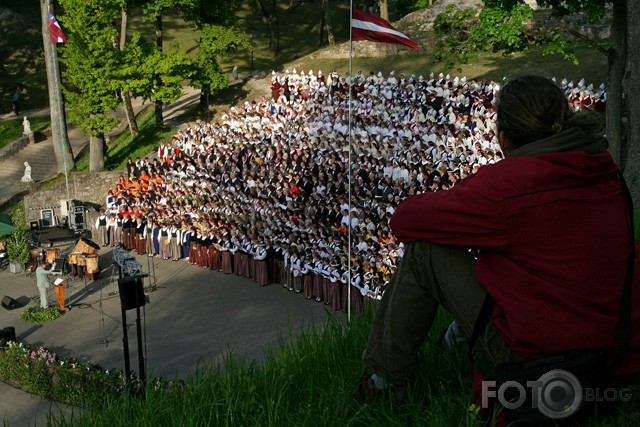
[365,26]
[55,31]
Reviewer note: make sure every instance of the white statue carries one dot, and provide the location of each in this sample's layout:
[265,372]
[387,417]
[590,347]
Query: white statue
[27,173]
[26,125]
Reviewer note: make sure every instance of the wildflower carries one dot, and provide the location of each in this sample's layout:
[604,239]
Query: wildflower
[474,409]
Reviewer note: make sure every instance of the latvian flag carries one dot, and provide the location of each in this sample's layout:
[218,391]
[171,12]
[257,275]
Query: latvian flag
[55,32]
[365,26]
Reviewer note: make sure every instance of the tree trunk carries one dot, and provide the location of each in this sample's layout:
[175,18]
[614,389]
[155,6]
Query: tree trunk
[615,109]
[327,20]
[274,30]
[61,146]
[131,116]
[96,154]
[270,16]
[128,107]
[157,106]
[631,89]
[158,103]
[384,9]
[123,25]
[321,26]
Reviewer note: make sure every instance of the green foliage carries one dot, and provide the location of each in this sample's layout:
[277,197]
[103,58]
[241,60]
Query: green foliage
[502,29]
[217,40]
[152,74]
[213,12]
[554,43]
[91,61]
[502,26]
[455,29]
[18,216]
[33,314]
[595,9]
[18,247]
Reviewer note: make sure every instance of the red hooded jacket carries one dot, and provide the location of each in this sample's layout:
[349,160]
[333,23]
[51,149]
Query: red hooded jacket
[552,232]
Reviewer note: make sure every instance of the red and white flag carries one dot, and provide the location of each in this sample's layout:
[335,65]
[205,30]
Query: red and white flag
[55,31]
[365,26]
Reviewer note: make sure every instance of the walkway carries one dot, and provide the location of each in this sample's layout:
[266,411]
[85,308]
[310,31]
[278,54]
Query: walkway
[41,156]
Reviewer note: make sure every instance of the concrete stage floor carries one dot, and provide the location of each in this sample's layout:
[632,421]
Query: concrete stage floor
[195,316]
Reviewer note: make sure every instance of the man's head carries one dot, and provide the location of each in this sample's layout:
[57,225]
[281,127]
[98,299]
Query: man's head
[530,108]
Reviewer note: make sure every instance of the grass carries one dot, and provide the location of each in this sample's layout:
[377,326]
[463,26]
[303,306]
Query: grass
[11,130]
[124,146]
[22,57]
[310,381]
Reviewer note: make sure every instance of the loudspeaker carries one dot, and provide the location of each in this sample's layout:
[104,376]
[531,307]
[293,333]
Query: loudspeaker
[131,292]
[9,303]
[7,334]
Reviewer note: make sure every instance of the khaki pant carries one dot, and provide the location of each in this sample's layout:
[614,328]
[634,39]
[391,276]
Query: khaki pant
[428,276]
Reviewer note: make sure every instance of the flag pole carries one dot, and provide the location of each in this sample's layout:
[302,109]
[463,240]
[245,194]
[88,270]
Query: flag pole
[54,58]
[55,92]
[350,170]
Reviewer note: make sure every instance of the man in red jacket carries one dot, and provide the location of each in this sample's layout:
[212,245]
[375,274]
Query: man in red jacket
[551,228]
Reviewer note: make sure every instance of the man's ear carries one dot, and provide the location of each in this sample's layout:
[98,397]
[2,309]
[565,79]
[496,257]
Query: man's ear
[505,144]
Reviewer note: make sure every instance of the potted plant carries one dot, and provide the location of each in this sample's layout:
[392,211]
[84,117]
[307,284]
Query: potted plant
[17,250]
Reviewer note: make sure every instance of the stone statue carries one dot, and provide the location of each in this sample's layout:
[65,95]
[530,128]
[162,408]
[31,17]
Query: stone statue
[27,173]
[26,125]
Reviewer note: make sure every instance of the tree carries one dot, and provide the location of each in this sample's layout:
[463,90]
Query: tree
[216,40]
[153,11]
[325,22]
[213,12]
[384,9]
[126,96]
[61,145]
[506,25]
[269,10]
[145,71]
[91,63]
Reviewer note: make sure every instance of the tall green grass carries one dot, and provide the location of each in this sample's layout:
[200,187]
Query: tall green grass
[309,381]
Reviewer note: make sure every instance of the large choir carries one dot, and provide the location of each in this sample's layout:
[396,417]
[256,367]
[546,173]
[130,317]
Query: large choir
[263,192]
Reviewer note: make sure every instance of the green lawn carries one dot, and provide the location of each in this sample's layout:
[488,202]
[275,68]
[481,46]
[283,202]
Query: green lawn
[11,130]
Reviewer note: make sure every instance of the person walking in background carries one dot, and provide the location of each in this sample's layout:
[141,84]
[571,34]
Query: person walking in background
[15,99]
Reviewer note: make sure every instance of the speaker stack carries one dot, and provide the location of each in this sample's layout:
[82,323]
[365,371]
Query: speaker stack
[131,292]
[9,303]
[7,334]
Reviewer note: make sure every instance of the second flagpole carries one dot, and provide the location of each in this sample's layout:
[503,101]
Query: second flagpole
[350,169]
